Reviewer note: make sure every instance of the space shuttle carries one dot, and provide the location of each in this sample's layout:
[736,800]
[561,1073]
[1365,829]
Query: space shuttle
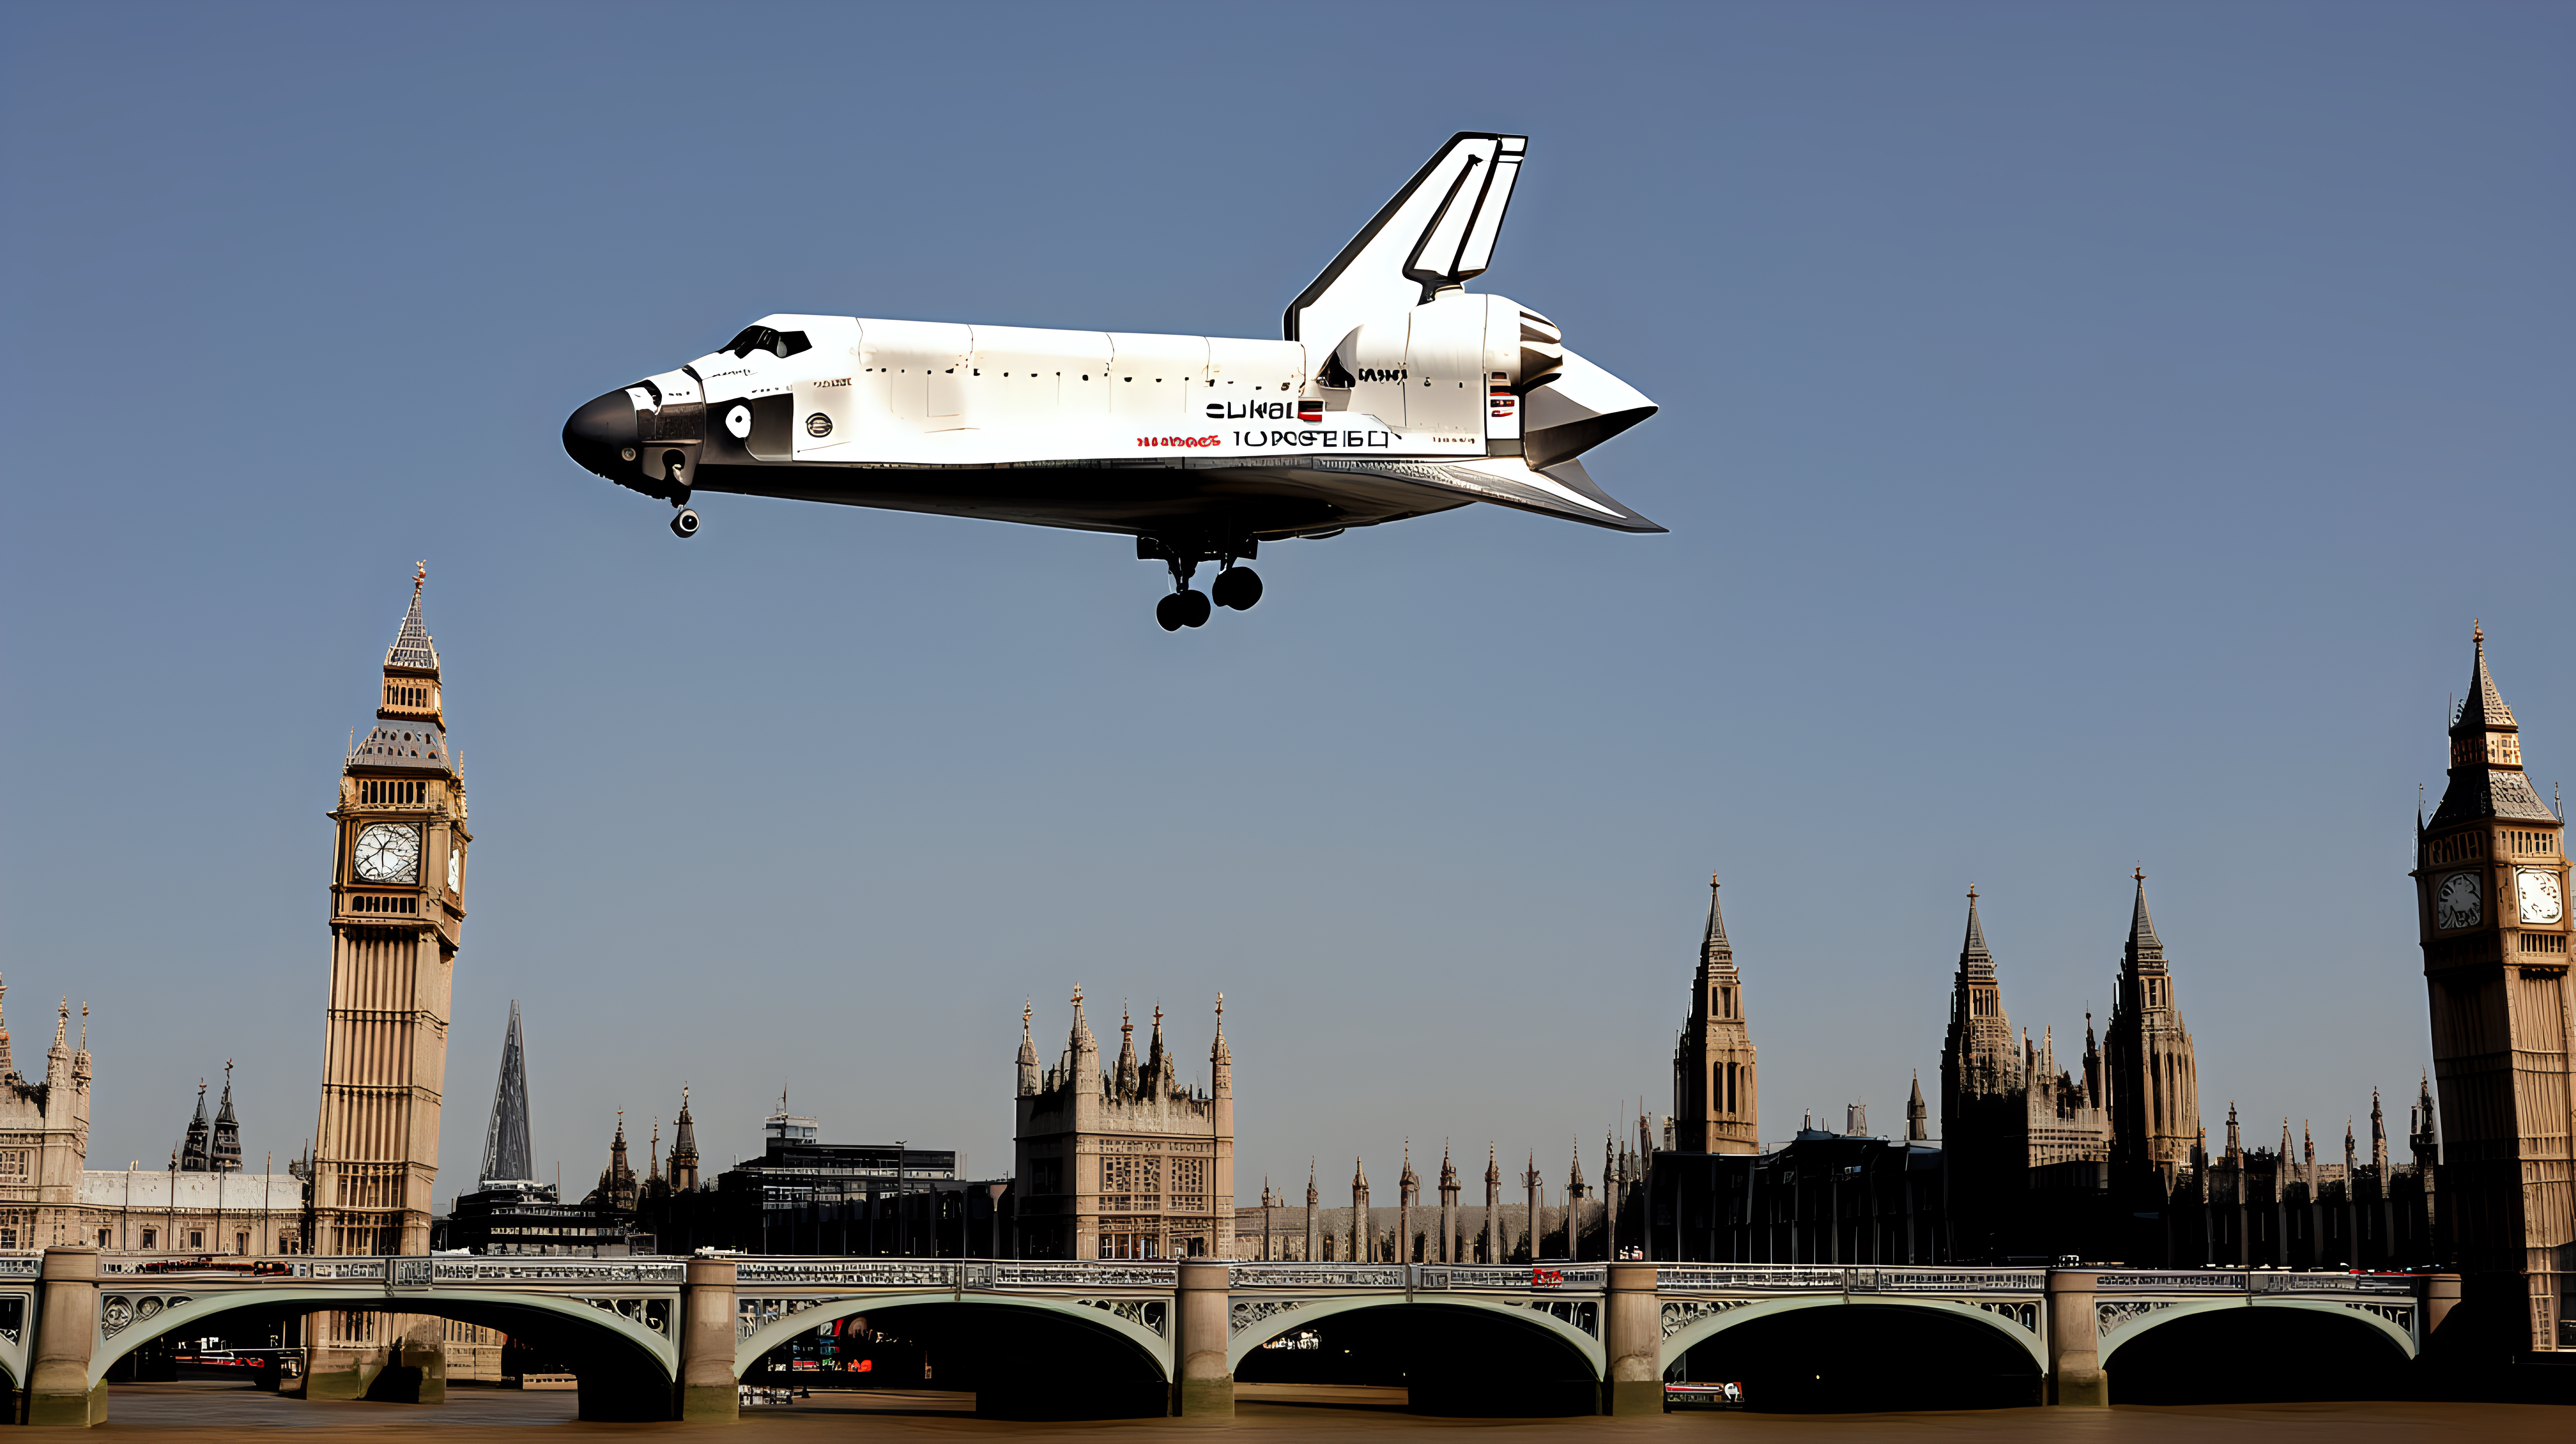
[1393,393]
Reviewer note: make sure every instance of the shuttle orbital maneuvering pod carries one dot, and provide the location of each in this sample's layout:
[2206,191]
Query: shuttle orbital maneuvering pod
[1395,394]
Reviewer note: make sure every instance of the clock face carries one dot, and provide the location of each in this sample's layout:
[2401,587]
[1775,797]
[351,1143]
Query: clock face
[2543,900]
[2457,902]
[455,867]
[388,852]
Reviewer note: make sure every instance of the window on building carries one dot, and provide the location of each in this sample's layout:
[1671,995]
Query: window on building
[151,1238]
[241,1243]
[8,1238]
[103,1239]
[197,1240]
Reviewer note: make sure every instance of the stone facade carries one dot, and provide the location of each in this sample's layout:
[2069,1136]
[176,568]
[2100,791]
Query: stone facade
[44,1137]
[1126,1161]
[176,1212]
[2491,894]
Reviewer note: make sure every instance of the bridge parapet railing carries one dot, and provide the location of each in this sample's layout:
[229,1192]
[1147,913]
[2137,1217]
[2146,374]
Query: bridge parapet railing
[1454,1278]
[953,1274]
[2251,1281]
[414,1272]
[1813,1279]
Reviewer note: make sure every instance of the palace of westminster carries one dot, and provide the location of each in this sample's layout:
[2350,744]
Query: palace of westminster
[2103,1157]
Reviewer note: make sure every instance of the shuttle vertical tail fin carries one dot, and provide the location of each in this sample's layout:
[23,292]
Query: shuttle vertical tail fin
[1438,231]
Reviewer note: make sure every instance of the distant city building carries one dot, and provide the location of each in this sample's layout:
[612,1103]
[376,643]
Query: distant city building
[803,1195]
[1128,1162]
[511,1212]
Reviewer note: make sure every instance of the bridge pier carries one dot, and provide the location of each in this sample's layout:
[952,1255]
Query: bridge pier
[58,1387]
[1203,1385]
[708,1386]
[1632,1340]
[2075,1374]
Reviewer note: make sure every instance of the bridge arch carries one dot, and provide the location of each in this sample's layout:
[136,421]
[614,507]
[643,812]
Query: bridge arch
[2161,1314]
[1459,1355]
[1146,1326]
[1271,1322]
[627,1361]
[1688,1322]
[1023,1356]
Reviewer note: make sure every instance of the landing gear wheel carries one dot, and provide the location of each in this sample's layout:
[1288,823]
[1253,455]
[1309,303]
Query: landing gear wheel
[1172,612]
[1236,587]
[686,523]
[1194,608]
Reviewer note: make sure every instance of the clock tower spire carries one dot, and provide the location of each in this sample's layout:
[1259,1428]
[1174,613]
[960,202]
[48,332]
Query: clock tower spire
[2491,908]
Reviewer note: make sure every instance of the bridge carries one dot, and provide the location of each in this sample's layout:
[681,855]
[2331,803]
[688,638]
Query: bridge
[671,1338]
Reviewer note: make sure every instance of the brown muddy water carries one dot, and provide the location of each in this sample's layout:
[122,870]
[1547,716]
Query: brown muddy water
[227,1411]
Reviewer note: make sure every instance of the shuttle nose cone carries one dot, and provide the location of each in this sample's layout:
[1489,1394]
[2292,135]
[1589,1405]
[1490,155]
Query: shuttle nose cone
[601,435]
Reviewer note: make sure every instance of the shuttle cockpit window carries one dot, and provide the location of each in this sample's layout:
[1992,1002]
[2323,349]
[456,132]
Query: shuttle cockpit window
[781,344]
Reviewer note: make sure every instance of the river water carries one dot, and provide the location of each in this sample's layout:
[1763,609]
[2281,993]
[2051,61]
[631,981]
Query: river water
[214,1412]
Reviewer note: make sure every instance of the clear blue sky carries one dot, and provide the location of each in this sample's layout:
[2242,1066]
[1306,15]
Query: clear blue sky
[2088,432]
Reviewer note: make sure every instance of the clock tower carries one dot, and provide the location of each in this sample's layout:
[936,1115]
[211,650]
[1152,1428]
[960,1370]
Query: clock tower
[397,904]
[2491,906]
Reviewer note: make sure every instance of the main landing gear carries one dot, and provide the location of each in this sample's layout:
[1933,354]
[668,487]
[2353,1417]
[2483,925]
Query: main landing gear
[1237,586]
[685,523]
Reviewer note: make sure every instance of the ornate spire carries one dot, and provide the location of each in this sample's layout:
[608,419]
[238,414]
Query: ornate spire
[684,1147]
[1448,1170]
[412,650]
[1314,1195]
[1081,1041]
[1127,1075]
[2145,949]
[1220,1058]
[8,1065]
[224,1154]
[1975,960]
[1713,945]
[1030,1082]
[1493,1166]
[2486,756]
[193,1153]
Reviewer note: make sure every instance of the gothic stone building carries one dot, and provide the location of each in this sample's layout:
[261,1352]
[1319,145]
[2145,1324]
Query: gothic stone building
[1125,1162]
[44,1135]
[1715,1106]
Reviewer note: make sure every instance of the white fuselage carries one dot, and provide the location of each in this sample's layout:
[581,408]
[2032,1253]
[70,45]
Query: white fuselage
[1439,383]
